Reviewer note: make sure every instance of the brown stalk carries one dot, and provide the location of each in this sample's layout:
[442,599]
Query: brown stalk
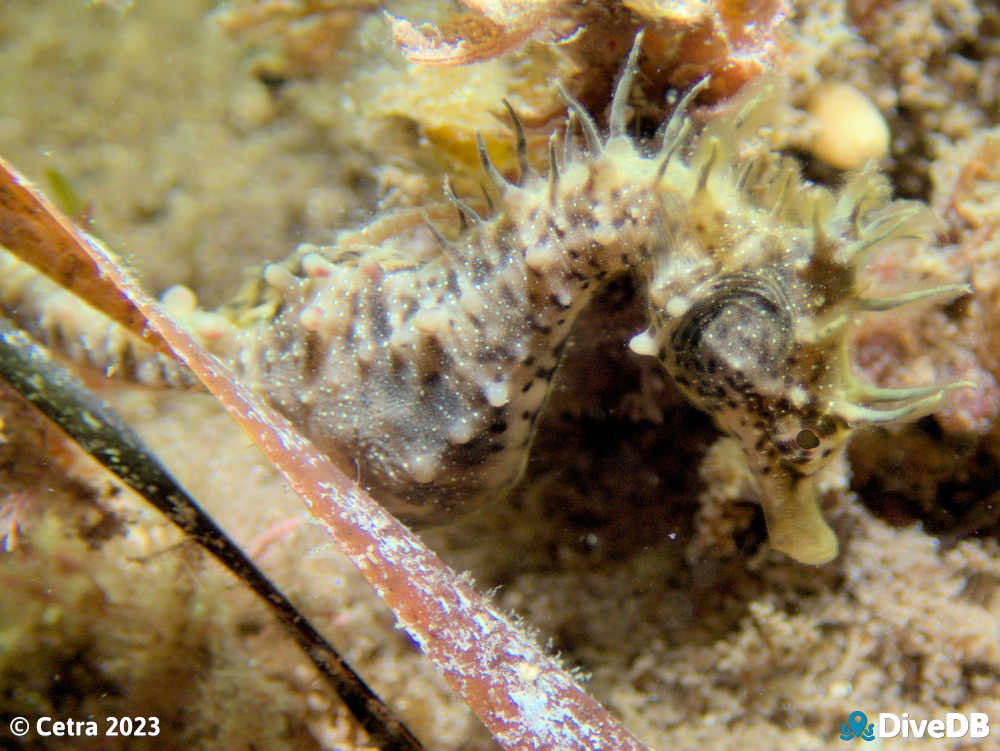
[521,694]
[33,230]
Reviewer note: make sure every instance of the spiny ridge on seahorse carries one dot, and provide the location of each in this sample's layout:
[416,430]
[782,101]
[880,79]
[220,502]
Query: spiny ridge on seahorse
[428,368]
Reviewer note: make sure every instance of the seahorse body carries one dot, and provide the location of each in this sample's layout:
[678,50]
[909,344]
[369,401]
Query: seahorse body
[432,375]
[428,370]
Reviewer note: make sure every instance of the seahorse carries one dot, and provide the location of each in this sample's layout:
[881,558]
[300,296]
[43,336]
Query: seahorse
[428,369]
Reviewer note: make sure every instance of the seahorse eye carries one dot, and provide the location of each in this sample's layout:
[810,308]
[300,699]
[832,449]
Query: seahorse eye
[807,439]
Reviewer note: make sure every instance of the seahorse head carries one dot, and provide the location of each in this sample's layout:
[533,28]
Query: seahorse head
[752,305]
[734,354]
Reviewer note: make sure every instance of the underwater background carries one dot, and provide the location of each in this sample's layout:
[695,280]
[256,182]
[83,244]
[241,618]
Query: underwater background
[203,140]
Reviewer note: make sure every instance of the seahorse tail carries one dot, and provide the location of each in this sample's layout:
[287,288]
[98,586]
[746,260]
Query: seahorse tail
[69,327]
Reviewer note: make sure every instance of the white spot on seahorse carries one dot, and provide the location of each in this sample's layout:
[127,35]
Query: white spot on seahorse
[278,277]
[422,468]
[315,266]
[496,393]
[432,322]
[643,343]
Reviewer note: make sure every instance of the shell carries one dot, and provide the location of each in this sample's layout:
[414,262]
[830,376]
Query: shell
[427,369]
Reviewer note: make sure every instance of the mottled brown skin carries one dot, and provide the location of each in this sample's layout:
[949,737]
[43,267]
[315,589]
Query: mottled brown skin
[448,362]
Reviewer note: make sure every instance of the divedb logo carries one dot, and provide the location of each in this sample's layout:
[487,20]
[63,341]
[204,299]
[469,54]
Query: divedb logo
[889,725]
[954,725]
